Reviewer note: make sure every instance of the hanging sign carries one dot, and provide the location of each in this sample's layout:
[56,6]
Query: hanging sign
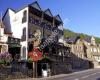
[35,55]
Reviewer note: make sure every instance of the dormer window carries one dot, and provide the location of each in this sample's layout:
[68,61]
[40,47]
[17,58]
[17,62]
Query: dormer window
[24,19]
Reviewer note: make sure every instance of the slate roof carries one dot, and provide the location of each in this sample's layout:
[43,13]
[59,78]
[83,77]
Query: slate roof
[58,18]
[36,5]
[88,39]
[48,12]
[72,39]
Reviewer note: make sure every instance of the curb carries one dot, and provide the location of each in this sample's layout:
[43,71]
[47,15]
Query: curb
[56,76]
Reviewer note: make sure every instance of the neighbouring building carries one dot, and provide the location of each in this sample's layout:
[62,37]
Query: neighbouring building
[33,26]
[78,52]
[7,42]
[3,39]
[93,52]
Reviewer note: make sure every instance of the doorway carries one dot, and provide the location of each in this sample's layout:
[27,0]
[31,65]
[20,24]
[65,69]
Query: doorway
[91,65]
[43,69]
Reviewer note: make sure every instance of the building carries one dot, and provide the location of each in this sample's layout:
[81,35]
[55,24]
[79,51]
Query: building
[7,42]
[93,52]
[34,26]
[22,26]
[78,52]
[3,39]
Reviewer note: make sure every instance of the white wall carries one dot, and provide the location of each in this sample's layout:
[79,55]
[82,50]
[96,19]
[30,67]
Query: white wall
[16,23]
[13,22]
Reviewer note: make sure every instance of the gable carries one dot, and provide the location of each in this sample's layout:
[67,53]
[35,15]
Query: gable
[79,41]
[36,5]
[92,39]
[48,12]
[58,18]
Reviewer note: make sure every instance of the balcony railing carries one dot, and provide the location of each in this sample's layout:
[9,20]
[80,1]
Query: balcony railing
[44,25]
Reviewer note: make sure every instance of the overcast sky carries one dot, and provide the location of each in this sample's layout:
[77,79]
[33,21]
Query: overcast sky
[81,16]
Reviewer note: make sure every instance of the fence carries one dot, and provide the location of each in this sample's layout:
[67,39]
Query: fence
[15,71]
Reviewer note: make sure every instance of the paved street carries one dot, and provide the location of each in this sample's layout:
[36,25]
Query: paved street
[92,74]
[83,75]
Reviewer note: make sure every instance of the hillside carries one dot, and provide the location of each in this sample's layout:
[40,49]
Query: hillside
[69,33]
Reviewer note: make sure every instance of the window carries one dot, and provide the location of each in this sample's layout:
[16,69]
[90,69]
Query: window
[95,50]
[24,31]
[24,52]
[24,16]
[80,47]
[24,34]
[98,50]
[91,49]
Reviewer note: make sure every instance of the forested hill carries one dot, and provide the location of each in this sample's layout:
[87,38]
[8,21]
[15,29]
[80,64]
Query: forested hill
[69,33]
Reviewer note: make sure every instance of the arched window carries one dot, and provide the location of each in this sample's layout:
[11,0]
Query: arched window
[24,34]
[24,16]
[24,52]
[24,31]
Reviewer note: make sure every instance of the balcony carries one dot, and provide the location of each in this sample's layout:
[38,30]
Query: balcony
[44,25]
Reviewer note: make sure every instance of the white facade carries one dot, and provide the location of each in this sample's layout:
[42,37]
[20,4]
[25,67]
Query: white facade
[13,23]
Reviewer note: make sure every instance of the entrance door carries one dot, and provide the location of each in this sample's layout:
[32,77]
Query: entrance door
[44,69]
[91,65]
[39,70]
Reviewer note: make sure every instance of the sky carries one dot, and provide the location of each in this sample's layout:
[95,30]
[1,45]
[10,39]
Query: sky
[82,16]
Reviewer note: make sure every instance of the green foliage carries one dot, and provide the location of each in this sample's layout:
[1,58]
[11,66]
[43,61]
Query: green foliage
[97,40]
[30,60]
[69,33]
